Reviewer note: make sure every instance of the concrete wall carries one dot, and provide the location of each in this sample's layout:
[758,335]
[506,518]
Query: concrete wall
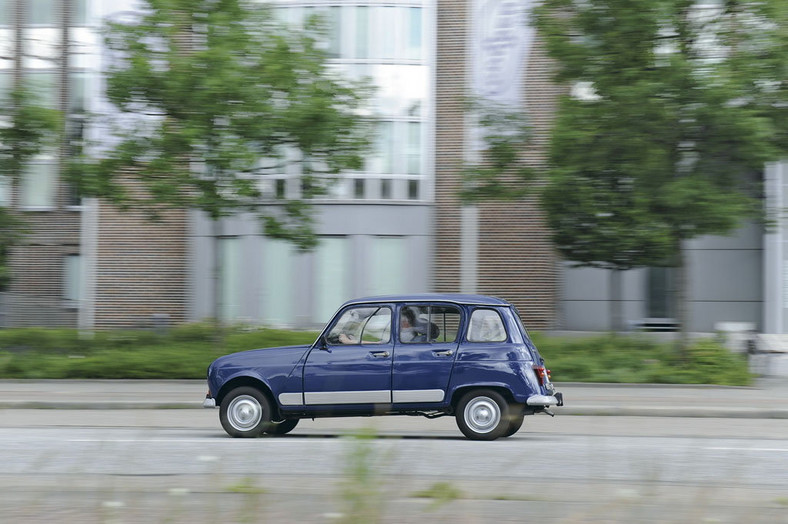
[726,284]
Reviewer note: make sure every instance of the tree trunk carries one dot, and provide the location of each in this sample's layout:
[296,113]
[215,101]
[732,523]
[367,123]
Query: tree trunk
[616,305]
[218,289]
[682,308]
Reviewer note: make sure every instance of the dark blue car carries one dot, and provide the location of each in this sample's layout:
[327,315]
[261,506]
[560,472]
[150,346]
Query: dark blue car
[432,355]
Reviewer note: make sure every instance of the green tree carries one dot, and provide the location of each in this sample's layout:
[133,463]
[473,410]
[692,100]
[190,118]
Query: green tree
[685,106]
[221,94]
[26,130]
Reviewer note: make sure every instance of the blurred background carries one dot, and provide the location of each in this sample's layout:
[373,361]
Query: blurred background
[393,223]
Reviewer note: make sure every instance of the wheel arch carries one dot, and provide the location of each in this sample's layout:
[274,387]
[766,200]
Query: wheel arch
[246,381]
[458,393]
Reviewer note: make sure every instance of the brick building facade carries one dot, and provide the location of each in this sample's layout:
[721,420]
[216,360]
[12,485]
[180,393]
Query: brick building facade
[513,258]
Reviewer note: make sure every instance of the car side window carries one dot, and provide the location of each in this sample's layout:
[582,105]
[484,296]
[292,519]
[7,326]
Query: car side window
[486,326]
[428,324]
[362,325]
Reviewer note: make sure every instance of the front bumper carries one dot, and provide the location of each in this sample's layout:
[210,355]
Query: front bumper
[556,399]
[209,402]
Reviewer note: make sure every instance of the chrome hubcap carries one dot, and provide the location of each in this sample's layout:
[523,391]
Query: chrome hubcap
[482,414]
[244,413]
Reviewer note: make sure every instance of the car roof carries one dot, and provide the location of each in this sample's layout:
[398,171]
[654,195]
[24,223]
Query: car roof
[457,298]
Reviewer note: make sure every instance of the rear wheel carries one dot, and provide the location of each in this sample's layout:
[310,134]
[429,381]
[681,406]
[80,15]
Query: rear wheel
[245,412]
[483,414]
[280,428]
[515,423]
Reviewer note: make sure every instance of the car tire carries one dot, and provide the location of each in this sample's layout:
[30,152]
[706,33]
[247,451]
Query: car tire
[515,423]
[245,413]
[283,427]
[483,414]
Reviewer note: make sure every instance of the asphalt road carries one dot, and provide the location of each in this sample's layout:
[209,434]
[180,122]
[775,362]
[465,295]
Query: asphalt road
[179,466]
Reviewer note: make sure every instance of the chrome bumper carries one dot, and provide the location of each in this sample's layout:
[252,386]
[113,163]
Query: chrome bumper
[543,400]
[209,402]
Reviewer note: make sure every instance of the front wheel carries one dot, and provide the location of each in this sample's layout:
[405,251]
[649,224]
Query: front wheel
[483,414]
[245,412]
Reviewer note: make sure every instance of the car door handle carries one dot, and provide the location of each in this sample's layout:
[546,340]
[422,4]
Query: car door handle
[380,354]
[444,353]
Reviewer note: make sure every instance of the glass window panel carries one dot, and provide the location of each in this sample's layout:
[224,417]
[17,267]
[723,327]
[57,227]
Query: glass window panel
[385,189]
[413,189]
[79,12]
[78,92]
[388,38]
[6,17]
[413,151]
[278,270]
[39,186]
[44,89]
[486,326]
[358,188]
[72,277]
[386,147]
[362,32]
[364,325]
[6,81]
[5,191]
[332,270]
[387,266]
[43,12]
[661,292]
[230,253]
[414,33]
[335,32]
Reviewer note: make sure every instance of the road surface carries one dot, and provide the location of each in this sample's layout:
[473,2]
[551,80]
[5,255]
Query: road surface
[179,466]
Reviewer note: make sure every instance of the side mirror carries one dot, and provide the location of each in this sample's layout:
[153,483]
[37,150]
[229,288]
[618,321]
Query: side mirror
[322,345]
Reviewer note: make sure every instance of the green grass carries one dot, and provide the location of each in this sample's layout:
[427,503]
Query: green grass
[185,352]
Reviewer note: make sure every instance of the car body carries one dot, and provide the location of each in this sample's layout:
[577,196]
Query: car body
[432,355]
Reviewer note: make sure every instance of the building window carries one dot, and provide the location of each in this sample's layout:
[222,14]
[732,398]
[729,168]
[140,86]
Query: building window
[43,12]
[385,189]
[358,188]
[661,292]
[43,87]
[39,186]
[414,33]
[413,189]
[335,32]
[362,32]
[388,266]
[277,283]
[413,149]
[72,278]
[332,271]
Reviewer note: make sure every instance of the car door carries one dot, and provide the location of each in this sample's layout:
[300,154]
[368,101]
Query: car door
[424,352]
[353,366]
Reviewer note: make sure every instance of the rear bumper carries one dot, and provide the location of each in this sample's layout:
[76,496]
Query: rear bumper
[556,399]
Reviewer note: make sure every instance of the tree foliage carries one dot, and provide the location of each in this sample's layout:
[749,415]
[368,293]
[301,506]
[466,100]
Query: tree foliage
[673,118]
[213,93]
[27,129]
[684,104]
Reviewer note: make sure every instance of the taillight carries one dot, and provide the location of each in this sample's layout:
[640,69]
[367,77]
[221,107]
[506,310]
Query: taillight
[542,375]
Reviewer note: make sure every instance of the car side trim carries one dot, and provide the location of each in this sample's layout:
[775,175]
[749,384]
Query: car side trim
[410,396]
[291,399]
[348,397]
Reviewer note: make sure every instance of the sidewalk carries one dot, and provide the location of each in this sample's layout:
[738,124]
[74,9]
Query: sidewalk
[768,398]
